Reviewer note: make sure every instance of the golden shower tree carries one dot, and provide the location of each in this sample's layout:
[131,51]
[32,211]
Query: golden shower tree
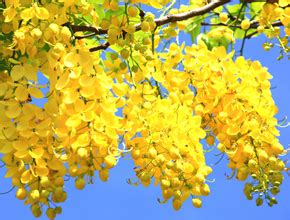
[120,84]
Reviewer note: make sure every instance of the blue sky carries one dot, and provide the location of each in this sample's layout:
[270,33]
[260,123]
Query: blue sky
[118,200]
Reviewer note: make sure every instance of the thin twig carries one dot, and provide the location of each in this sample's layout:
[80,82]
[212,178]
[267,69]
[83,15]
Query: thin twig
[10,190]
[243,43]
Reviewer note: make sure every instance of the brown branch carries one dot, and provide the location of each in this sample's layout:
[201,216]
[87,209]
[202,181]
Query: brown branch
[100,47]
[86,36]
[274,24]
[83,28]
[96,31]
[141,14]
[161,21]
[215,24]
[190,14]
[268,1]
[253,25]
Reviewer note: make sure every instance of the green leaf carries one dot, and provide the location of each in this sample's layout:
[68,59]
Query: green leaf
[218,9]
[194,28]
[98,7]
[109,13]
[217,42]
[100,12]
[255,8]
[239,33]
[46,47]
[95,2]
[236,10]
[5,37]
[3,67]
[195,32]
[203,37]
[250,31]
[2,6]
[2,37]
[88,19]
[98,1]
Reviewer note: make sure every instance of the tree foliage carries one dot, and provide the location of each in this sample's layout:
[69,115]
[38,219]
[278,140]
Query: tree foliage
[122,83]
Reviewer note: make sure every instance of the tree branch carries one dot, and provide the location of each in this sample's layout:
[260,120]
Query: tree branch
[159,21]
[190,14]
[83,28]
[274,24]
[100,47]
[253,24]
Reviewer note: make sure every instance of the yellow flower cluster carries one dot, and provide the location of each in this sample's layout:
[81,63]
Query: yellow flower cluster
[275,12]
[236,102]
[76,132]
[166,145]
[167,103]
[272,12]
